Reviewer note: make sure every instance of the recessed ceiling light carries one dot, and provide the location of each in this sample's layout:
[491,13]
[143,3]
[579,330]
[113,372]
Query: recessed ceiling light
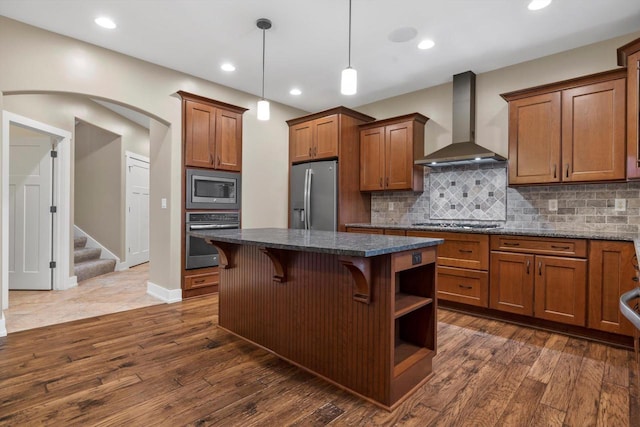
[227,67]
[538,4]
[105,22]
[426,44]
[295,91]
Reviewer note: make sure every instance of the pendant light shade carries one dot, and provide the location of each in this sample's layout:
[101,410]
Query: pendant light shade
[263,110]
[349,83]
[263,105]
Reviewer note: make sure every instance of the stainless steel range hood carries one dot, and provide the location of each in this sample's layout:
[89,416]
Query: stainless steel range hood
[463,150]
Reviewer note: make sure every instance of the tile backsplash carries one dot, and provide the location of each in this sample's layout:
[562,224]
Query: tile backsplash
[480,194]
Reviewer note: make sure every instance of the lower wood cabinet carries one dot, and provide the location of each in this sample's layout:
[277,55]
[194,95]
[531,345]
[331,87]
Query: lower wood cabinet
[512,283]
[463,286]
[537,277]
[200,281]
[611,273]
[561,289]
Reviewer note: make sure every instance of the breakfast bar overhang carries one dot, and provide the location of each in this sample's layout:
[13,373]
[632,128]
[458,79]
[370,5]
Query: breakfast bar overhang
[357,310]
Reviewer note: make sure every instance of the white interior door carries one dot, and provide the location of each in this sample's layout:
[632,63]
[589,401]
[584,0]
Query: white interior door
[137,210]
[30,196]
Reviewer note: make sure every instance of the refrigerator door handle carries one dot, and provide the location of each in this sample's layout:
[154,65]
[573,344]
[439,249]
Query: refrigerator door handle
[309,199]
[305,198]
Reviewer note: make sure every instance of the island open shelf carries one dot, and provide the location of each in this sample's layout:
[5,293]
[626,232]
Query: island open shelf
[357,310]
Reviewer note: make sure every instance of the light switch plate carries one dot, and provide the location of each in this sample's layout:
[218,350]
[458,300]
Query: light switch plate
[163,203]
[621,205]
[553,205]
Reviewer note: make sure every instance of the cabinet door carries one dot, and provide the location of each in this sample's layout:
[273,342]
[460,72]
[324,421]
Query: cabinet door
[228,140]
[399,156]
[633,116]
[534,139]
[512,282]
[560,289]
[199,140]
[325,144]
[371,159]
[300,141]
[593,132]
[611,273]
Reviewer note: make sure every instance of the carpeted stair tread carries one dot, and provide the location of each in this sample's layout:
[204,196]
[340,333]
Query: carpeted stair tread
[88,269]
[86,254]
[79,242]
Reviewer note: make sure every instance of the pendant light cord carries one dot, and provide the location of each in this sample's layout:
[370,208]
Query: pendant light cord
[349,35]
[263,49]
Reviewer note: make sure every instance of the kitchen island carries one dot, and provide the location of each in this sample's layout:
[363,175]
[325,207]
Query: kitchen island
[356,310]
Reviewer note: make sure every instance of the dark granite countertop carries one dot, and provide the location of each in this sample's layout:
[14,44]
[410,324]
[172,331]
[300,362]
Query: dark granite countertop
[577,234]
[349,244]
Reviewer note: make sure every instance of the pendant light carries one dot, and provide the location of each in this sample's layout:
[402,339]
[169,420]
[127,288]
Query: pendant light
[263,105]
[349,84]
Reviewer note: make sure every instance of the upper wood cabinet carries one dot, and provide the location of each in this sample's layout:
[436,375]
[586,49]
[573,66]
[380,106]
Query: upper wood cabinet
[314,139]
[629,56]
[212,133]
[387,151]
[571,131]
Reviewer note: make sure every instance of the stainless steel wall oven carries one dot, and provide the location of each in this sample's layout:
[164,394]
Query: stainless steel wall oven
[198,253]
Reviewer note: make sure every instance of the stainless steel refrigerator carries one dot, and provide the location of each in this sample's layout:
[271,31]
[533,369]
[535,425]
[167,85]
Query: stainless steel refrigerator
[314,196]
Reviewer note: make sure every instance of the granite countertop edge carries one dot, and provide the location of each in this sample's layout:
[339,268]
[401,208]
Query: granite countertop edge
[534,232]
[344,244]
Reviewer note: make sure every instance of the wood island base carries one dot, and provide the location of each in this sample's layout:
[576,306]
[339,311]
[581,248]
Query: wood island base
[365,324]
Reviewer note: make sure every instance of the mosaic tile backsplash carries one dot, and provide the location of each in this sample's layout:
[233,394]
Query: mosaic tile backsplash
[579,206]
[468,194]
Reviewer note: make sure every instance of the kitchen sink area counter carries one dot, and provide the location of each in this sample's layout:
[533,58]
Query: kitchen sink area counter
[357,310]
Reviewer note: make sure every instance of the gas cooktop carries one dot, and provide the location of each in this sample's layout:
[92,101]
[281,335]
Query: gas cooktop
[456,225]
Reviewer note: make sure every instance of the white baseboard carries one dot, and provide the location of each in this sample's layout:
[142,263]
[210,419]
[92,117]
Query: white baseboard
[3,328]
[122,266]
[164,294]
[72,282]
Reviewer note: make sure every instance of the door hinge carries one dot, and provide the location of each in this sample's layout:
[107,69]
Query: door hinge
[52,264]
[53,209]
[54,153]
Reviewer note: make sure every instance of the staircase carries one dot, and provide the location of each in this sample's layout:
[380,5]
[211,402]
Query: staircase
[87,262]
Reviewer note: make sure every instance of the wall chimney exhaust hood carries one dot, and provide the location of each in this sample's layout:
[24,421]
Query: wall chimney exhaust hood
[463,150]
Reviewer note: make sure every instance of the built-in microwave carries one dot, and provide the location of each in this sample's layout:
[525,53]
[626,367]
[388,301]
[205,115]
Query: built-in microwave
[212,189]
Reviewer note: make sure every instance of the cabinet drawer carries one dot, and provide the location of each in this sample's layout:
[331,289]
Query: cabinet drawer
[201,280]
[460,249]
[394,232]
[540,245]
[464,286]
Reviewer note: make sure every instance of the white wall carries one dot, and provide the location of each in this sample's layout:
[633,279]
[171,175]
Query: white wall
[77,67]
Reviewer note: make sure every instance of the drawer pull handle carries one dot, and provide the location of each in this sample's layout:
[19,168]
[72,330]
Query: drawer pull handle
[511,244]
[465,286]
[635,279]
[528,264]
[309,151]
[198,281]
[560,247]
[465,251]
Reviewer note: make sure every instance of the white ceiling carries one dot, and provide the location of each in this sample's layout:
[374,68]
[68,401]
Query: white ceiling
[307,45]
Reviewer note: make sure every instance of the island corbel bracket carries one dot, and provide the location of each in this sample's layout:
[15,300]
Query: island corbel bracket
[225,253]
[360,269]
[278,258]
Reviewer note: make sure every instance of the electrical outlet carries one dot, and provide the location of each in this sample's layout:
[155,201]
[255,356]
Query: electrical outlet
[391,206]
[621,205]
[553,205]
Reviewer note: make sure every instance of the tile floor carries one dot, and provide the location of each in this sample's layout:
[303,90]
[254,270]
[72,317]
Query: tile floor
[110,293]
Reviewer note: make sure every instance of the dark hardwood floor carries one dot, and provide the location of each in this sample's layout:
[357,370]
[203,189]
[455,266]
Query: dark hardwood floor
[169,365]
